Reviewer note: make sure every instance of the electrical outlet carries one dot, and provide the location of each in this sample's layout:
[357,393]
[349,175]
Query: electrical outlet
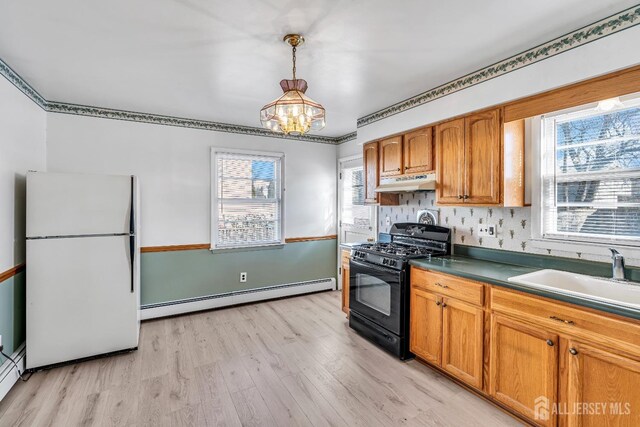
[388,221]
[487,230]
[243,277]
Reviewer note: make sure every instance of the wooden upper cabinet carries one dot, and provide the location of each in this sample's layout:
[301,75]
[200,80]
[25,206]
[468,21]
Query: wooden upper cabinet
[418,151]
[450,160]
[426,325]
[480,160]
[391,156]
[524,368]
[597,376]
[482,164]
[370,161]
[462,340]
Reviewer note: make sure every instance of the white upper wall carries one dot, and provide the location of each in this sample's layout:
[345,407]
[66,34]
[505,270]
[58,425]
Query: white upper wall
[22,147]
[173,165]
[614,52]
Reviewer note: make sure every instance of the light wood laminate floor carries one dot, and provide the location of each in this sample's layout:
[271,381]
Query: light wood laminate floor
[286,362]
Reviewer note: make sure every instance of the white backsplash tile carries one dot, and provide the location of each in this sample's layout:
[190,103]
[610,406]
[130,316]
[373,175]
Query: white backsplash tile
[513,224]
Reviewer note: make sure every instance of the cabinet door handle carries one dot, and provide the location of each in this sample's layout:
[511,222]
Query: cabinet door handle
[557,319]
[460,196]
[466,196]
[550,343]
[573,351]
[444,305]
[438,303]
[398,169]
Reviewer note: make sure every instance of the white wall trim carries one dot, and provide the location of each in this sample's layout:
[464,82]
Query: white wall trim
[172,308]
[8,374]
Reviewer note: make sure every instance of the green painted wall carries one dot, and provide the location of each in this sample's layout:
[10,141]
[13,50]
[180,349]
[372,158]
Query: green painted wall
[169,276]
[12,313]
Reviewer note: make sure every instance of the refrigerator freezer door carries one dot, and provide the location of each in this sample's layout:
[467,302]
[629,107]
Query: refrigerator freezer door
[79,299]
[61,204]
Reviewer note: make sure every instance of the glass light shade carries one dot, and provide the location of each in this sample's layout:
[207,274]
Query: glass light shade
[294,112]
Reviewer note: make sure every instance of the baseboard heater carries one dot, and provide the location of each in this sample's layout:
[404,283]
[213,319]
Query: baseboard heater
[8,373]
[171,308]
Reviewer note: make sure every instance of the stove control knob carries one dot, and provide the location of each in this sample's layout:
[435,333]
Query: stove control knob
[392,262]
[385,261]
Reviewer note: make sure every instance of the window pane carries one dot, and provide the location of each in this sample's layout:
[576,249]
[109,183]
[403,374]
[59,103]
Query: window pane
[600,221]
[246,179]
[240,223]
[599,143]
[608,192]
[354,211]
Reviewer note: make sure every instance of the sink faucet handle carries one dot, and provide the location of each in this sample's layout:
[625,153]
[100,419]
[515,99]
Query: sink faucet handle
[615,253]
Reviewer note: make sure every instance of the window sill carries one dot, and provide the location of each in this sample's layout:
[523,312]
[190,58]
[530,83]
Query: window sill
[247,248]
[591,248]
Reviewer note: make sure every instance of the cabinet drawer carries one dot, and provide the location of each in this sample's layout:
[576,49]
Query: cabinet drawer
[605,329]
[445,284]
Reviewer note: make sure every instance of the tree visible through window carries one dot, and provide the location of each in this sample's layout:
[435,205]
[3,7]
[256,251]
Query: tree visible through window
[591,173]
[247,199]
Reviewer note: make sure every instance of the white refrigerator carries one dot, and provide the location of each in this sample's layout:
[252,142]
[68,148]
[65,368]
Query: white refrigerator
[83,266]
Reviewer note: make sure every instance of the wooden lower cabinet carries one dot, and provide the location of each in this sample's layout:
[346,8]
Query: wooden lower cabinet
[601,387]
[462,340]
[524,368]
[426,321]
[345,280]
[447,333]
[552,363]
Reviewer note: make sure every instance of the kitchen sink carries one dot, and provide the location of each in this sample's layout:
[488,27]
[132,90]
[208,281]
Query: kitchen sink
[606,290]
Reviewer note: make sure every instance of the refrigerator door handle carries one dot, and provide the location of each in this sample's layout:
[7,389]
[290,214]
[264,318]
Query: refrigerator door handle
[132,233]
[132,213]
[132,253]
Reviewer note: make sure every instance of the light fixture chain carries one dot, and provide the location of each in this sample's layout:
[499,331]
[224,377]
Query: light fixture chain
[294,62]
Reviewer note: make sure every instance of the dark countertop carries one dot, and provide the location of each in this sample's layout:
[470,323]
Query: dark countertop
[497,273]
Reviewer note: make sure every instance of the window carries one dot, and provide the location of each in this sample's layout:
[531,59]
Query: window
[590,170]
[247,199]
[357,220]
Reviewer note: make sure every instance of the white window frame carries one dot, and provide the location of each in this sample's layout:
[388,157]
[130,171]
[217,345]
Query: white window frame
[214,197]
[584,244]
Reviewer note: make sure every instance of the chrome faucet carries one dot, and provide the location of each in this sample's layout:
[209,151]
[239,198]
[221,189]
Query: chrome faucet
[617,265]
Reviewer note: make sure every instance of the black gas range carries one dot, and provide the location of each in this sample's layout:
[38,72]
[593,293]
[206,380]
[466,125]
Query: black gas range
[379,282]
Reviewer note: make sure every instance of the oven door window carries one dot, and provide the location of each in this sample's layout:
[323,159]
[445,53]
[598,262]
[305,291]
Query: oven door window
[374,293]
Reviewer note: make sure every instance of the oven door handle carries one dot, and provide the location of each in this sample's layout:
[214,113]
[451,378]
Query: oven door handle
[375,267]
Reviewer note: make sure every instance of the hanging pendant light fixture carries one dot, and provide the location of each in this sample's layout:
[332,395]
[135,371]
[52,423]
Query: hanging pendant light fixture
[294,112]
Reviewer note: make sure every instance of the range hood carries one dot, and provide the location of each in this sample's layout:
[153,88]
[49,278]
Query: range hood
[424,183]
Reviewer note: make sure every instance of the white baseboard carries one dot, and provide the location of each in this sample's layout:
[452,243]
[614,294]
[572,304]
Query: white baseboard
[171,308]
[8,374]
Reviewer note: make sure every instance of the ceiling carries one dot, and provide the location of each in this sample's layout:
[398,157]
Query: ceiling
[222,61]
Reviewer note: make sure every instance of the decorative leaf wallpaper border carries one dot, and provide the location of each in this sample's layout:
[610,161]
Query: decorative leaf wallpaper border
[605,27]
[133,116]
